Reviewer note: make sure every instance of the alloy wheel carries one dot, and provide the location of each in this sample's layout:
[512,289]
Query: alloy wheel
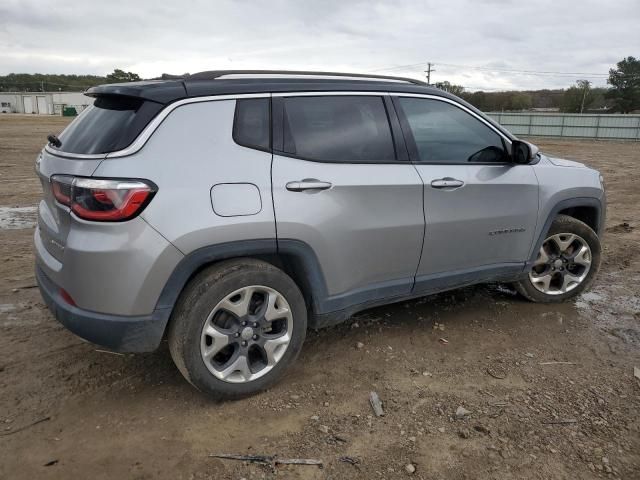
[563,262]
[246,334]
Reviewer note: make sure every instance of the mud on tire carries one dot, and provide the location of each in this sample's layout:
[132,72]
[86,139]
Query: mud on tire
[236,308]
[562,261]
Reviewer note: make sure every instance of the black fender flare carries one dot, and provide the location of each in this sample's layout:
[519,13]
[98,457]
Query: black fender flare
[591,202]
[296,252]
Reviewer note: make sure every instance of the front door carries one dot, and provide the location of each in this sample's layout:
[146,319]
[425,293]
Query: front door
[480,208]
[339,188]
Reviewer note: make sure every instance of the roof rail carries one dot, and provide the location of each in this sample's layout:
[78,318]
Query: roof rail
[213,74]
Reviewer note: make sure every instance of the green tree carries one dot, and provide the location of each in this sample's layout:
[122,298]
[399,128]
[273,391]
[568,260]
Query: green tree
[520,101]
[599,101]
[120,76]
[477,99]
[451,88]
[578,98]
[36,82]
[625,83]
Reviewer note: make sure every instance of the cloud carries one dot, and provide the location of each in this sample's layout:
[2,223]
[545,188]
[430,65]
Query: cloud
[151,37]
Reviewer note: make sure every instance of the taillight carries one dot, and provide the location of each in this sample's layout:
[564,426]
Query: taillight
[61,186]
[103,200]
[66,297]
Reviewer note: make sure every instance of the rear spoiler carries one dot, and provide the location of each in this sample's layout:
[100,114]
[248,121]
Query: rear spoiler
[160,91]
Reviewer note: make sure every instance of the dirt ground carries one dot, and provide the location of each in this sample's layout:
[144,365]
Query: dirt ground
[70,410]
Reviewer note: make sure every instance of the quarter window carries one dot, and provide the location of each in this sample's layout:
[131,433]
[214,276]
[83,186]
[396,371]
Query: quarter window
[444,133]
[340,128]
[251,124]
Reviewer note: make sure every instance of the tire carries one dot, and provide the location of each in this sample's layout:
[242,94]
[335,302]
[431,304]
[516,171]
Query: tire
[207,337]
[532,287]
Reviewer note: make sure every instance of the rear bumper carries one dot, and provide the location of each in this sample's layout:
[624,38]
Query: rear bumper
[141,333]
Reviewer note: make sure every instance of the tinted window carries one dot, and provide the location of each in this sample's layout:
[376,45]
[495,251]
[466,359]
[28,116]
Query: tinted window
[338,129]
[112,123]
[445,133]
[251,125]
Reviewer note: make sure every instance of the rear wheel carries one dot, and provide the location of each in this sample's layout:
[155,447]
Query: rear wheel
[237,327]
[566,265]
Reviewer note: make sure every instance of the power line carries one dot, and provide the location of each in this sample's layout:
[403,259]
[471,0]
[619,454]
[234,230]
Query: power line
[511,90]
[528,72]
[398,67]
[500,70]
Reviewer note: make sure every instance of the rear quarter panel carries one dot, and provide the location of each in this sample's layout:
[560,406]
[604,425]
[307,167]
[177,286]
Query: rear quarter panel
[191,151]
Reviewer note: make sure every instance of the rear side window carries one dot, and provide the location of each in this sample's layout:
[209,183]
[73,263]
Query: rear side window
[338,128]
[111,124]
[251,124]
[444,133]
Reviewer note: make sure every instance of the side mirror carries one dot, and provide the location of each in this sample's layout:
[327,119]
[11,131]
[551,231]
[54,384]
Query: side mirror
[523,153]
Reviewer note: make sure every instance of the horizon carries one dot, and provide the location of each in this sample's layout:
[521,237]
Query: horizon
[538,45]
[469,90]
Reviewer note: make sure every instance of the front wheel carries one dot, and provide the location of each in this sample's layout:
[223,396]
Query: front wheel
[237,327]
[566,265]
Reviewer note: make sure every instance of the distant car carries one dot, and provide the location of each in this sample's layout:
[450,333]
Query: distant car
[228,212]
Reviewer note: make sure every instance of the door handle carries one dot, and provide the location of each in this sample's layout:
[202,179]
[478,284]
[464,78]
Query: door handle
[307,184]
[447,182]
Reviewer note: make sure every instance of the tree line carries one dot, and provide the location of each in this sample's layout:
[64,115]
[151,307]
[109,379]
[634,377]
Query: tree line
[39,82]
[575,99]
[622,95]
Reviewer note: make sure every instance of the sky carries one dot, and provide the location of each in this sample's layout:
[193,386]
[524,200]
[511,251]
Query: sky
[489,44]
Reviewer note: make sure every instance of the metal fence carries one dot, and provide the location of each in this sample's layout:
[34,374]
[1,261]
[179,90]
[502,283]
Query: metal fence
[608,126]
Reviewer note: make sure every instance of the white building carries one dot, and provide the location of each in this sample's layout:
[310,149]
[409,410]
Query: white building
[42,103]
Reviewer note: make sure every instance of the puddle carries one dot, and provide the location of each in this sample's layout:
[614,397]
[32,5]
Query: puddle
[8,311]
[591,297]
[554,315]
[7,307]
[13,315]
[15,321]
[15,218]
[614,310]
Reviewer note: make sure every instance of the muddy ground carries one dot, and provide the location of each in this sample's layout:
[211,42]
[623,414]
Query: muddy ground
[102,415]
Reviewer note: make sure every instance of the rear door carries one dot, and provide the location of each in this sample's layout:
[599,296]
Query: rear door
[480,208]
[340,187]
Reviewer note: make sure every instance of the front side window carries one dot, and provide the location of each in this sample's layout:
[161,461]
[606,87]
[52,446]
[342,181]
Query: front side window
[340,128]
[444,133]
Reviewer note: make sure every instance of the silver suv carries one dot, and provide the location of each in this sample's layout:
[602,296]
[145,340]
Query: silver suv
[230,211]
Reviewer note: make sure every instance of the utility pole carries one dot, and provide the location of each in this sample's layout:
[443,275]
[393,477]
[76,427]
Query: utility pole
[585,84]
[428,72]
[584,94]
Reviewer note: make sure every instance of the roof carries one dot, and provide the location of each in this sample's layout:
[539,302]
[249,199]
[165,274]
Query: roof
[228,82]
[235,82]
